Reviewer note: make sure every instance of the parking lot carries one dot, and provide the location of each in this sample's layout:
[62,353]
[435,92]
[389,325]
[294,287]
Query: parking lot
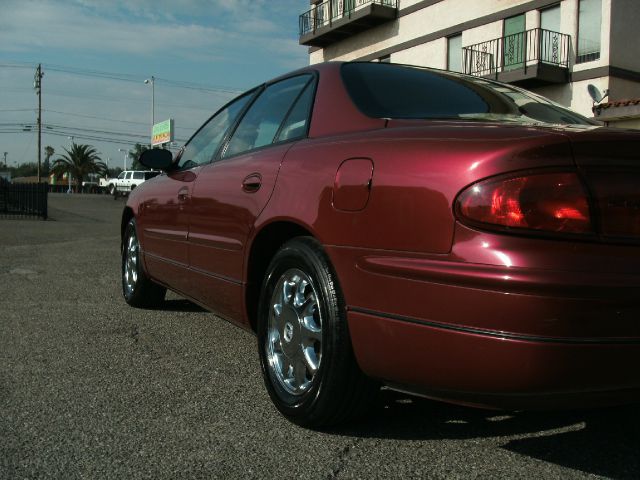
[91,388]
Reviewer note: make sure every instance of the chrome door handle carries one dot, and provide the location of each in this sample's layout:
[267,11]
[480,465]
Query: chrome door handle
[183,194]
[252,183]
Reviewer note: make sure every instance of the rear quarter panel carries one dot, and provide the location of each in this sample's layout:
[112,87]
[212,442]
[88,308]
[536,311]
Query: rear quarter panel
[417,173]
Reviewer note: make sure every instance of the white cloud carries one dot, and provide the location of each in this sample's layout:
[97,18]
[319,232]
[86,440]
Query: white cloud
[198,30]
[72,28]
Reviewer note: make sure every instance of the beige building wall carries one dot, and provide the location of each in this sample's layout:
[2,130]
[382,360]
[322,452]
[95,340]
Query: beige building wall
[434,18]
[432,54]
[625,41]
[619,45]
[574,95]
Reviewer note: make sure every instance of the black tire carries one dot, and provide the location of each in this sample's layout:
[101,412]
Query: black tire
[291,347]
[137,288]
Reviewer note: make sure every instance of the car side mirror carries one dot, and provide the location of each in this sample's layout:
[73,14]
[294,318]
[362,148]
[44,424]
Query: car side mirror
[157,159]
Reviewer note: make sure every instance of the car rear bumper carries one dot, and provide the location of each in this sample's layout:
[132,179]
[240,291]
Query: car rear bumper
[495,369]
[509,334]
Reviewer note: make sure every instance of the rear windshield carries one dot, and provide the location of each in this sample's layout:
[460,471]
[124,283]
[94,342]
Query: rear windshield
[383,90]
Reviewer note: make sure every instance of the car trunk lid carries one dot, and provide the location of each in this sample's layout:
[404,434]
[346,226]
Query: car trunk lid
[610,163]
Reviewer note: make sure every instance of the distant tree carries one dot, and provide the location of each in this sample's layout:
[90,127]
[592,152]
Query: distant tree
[24,170]
[80,161]
[48,153]
[114,172]
[134,155]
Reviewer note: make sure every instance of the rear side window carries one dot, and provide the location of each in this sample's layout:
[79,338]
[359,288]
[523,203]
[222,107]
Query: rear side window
[138,175]
[263,119]
[295,125]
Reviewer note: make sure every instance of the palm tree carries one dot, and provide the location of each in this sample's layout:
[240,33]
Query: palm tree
[48,153]
[80,161]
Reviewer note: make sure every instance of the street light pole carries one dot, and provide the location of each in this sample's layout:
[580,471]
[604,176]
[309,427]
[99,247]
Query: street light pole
[126,154]
[69,172]
[5,159]
[37,85]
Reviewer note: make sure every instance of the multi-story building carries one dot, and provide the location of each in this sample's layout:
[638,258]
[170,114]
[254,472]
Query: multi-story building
[553,47]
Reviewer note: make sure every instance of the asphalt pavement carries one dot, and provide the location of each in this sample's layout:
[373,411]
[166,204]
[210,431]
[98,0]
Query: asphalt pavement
[92,388]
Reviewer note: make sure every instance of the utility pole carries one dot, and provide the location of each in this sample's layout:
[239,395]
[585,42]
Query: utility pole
[5,159]
[152,81]
[37,85]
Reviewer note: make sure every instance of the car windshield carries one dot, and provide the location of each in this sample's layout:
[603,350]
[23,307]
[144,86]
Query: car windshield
[383,90]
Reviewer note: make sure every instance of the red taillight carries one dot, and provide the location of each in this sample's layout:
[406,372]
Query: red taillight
[551,202]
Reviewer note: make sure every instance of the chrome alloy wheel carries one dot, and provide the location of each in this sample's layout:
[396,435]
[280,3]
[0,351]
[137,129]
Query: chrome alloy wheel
[130,270]
[294,332]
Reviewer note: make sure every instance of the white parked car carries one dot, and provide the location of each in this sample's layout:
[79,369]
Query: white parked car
[128,180]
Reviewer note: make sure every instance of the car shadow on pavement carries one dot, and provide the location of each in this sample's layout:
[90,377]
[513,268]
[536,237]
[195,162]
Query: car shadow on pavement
[601,442]
[180,305]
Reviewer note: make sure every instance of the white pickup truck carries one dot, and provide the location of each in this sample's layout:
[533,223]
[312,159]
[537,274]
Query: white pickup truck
[127,181]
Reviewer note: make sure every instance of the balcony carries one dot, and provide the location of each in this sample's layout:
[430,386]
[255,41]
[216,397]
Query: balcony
[532,58]
[334,20]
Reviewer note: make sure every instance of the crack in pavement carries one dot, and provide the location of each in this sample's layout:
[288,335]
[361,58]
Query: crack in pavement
[342,459]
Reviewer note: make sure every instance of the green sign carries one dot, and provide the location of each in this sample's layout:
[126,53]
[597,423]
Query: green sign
[162,132]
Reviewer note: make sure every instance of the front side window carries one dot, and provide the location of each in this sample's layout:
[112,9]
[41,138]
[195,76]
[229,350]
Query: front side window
[589,23]
[128,176]
[205,143]
[262,121]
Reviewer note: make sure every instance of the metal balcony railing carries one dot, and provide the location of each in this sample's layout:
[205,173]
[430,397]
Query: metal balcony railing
[327,12]
[517,51]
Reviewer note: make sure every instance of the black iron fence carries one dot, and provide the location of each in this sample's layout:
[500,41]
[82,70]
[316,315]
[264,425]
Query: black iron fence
[23,199]
[517,51]
[325,13]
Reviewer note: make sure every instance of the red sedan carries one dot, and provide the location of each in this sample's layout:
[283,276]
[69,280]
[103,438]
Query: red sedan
[375,224]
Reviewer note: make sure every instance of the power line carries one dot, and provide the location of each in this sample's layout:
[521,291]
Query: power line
[18,109]
[128,77]
[79,132]
[146,124]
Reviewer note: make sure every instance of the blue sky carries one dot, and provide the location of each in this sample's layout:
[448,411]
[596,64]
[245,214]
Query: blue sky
[96,55]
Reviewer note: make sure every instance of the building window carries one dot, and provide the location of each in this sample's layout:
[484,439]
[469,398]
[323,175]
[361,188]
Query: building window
[454,53]
[589,23]
[550,19]
[550,42]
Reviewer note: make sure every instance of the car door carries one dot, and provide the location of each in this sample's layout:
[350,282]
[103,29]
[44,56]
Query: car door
[138,178]
[126,183]
[164,214]
[230,193]
[119,180]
